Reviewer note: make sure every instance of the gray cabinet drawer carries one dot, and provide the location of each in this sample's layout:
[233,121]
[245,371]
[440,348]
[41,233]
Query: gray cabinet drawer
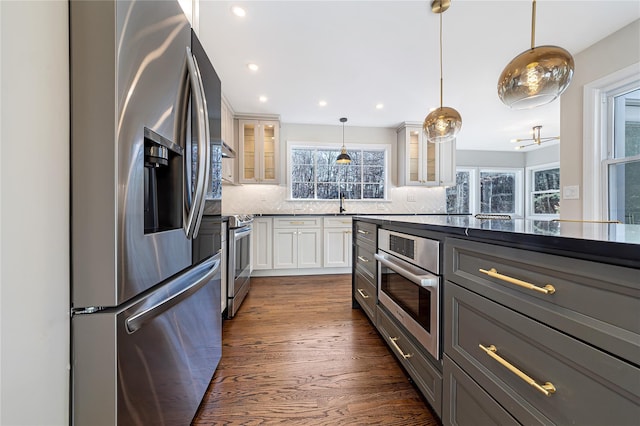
[366,232]
[592,387]
[364,259]
[424,374]
[466,403]
[365,293]
[595,302]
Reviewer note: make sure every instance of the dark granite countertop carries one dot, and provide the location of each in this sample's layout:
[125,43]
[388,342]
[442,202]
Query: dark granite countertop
[613,243]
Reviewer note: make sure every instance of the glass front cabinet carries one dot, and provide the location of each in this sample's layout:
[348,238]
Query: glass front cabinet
[421,163]
[258,146]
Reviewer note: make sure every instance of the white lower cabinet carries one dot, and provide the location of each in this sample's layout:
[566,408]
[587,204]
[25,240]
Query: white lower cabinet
[262,243]
[297,243]
[337,242]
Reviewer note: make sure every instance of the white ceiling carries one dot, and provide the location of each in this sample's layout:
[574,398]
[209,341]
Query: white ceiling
[355,54]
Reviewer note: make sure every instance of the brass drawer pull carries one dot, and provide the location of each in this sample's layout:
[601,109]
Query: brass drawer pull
[547,289]
[363,259]
[347,232]
[546,388]
[360,231]
[363,294]
[395,345]
[296,223]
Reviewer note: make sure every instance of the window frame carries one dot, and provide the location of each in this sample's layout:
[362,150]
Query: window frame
[529,190]
[598,138]
[475,188]
[291,145]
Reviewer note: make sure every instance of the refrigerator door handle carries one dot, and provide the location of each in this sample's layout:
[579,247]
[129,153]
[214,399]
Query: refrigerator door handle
[173,292]
[204,152]
[193,207]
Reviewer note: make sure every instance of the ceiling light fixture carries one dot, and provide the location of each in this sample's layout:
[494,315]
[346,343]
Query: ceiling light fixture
[536,76]
[443,123]
[253,67]
[379,106]
[322,103]
[238,11]
[263,99]
[536,139]
[343,158]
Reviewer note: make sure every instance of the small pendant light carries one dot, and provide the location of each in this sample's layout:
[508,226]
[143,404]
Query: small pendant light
[343,158]
[536,76]
[443,123]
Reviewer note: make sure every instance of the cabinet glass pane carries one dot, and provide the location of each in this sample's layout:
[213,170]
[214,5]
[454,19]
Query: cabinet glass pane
[269,152]
[249,151]
[430,149]
[414,156]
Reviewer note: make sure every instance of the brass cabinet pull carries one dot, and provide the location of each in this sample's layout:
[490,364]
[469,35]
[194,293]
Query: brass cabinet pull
[546,388]
[296,223]
[363,294]
[547,289]
[347,232]
[363,259]
[395,345]
[346,222]
[360,231]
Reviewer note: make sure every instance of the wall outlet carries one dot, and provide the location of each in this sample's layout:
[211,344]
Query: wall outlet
[571,192]
[411,198]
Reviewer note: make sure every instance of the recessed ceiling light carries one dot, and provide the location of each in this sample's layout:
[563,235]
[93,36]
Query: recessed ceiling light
[238,11]
[322,103]
[262,99]
[379,106]
[253,67]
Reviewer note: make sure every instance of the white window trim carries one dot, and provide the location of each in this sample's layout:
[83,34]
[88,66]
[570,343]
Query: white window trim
[519,195]
[529,172]
[387,168]
[596,139]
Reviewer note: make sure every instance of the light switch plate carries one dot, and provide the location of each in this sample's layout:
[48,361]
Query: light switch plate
[571,192]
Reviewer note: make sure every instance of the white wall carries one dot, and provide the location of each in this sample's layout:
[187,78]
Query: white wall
[473,158]
[543,155]
[34,213]
[273,198]
[621,49]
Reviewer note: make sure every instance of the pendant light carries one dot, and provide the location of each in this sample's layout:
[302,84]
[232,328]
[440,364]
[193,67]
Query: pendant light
[343,158]
[443,123]
[537,139]
[536,76]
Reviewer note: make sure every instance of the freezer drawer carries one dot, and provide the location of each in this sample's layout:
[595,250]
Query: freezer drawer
[135,367]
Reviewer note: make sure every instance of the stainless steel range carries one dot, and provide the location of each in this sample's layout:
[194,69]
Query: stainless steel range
[239,272]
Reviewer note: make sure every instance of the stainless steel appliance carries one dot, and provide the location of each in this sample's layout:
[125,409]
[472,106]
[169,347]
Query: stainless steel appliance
[409,284]
[146,327]
[239,271]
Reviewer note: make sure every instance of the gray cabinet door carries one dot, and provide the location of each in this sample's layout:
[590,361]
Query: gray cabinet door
[591,386]
[464,403]
[412,357]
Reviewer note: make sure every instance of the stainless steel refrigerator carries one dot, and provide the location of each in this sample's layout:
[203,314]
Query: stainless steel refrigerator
[146,323]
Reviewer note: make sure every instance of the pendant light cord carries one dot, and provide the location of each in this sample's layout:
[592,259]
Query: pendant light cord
[441,84]
[533,25]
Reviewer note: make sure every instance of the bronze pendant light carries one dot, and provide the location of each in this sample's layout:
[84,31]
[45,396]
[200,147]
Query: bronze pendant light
[536,76]
[343,158]
[443,123]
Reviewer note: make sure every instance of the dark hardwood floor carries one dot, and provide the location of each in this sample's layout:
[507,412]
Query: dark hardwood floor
[297,353]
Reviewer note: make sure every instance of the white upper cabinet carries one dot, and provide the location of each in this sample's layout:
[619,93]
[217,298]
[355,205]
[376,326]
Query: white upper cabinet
[259,142]
[226,117]
[421,163]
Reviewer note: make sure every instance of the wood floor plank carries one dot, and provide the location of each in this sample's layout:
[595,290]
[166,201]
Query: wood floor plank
[297,353]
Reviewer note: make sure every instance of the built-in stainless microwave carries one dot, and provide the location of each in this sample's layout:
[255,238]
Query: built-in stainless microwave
[409,284]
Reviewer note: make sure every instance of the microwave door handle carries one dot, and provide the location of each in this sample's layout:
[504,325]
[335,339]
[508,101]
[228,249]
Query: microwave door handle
[174,292]
[204,150]
[425,280]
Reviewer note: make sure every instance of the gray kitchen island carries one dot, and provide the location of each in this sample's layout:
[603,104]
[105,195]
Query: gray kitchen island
[538,321]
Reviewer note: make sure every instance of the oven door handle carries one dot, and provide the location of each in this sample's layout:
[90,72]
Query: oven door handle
[424,280]
[239,233]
